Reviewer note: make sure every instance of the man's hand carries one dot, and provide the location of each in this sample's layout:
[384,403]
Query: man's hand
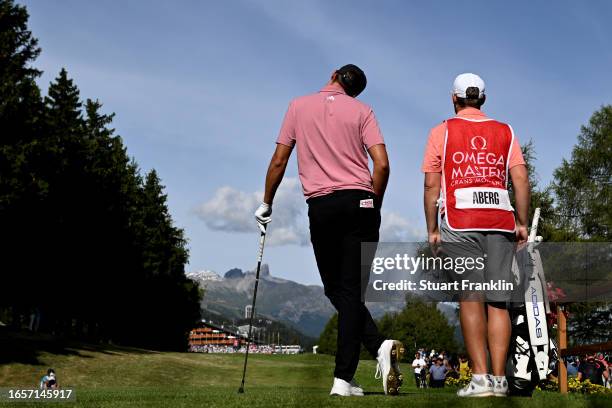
[434,238]
[522,233]
[263,215]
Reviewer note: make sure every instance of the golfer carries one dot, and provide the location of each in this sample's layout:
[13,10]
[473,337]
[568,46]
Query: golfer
[468,159]
[333,133]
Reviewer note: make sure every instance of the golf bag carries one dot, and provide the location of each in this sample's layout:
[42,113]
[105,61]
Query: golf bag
[532,354]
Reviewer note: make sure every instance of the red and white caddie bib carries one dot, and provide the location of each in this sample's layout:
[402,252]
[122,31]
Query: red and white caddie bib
[475,175]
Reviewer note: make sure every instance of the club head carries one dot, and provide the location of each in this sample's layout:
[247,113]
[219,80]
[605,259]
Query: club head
[241,390]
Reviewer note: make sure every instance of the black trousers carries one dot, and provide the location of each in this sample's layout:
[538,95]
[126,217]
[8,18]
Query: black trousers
[417,379]
[338,226]
[437,383]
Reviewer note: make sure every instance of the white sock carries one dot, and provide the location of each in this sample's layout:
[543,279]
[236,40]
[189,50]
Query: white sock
[479,377]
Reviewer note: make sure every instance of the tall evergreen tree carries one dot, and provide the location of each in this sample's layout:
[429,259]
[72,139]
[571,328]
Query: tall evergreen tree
[583,192]
[89,245]
[583,184]
[20,110]
[540,198]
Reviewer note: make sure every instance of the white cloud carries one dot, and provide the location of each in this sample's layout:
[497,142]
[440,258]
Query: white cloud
[396,228]
[231,210]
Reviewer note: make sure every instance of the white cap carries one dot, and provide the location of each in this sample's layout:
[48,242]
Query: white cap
[465,81]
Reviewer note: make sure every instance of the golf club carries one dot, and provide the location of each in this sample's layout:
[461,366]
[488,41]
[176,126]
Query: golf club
[262,240]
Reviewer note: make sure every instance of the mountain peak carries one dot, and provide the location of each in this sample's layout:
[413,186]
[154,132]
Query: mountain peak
[234,273]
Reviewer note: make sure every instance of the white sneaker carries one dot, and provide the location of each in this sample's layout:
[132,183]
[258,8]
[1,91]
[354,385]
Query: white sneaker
[356,389]
[345,389]
[481,386]
[500,386]
[389,355]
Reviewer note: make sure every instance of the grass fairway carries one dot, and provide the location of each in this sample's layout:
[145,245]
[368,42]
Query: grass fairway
[124,377]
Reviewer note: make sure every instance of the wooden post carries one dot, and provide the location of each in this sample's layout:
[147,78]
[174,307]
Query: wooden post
[562,342]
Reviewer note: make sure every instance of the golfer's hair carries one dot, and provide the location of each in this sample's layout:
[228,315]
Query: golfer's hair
[472,100]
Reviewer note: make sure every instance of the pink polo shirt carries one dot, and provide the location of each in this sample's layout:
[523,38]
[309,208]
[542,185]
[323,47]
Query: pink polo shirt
[332,132]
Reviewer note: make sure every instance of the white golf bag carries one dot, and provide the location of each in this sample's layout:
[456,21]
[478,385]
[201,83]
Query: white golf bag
[532,354]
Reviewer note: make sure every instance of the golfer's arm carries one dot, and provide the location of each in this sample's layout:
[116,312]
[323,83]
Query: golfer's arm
[431,193]
[520,184]
[276,171]
[380,174]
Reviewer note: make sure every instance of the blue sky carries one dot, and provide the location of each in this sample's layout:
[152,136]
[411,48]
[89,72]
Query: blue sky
[200,89]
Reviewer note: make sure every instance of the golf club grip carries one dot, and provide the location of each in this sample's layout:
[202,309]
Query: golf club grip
[533,232]
[262,240]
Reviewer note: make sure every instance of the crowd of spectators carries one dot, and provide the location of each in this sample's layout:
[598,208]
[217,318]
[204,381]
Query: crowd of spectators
[253,348]
[431,368]
[597,368]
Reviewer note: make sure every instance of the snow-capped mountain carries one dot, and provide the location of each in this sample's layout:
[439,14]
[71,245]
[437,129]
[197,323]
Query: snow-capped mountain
[204,275]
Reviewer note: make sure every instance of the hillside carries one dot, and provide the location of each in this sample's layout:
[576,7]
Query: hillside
[126,377]
[304,307]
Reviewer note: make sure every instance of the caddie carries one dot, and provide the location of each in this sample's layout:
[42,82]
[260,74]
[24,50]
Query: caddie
[468,162]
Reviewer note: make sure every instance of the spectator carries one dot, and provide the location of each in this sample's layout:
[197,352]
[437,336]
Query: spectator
[593,370]
[602,359]
[438,373]
[451,367]
[419,365]
[49,381]
[572,367]
[464,367]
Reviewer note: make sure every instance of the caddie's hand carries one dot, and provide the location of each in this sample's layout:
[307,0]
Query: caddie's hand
[521,234]
[263,215]
[434,240]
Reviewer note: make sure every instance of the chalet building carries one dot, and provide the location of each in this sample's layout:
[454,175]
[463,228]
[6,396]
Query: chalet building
[213,335]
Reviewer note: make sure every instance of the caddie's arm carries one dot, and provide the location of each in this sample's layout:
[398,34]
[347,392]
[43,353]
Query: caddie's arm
[522,196]
[381,171]
[431,194]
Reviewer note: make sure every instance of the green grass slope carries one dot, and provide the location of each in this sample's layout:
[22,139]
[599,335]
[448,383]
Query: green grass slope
[126,377]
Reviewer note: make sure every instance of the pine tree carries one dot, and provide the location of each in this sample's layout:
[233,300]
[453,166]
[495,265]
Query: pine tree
[583,184]
[20,109]
[419,325]
[86,241]
[583,191]
[327,339]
